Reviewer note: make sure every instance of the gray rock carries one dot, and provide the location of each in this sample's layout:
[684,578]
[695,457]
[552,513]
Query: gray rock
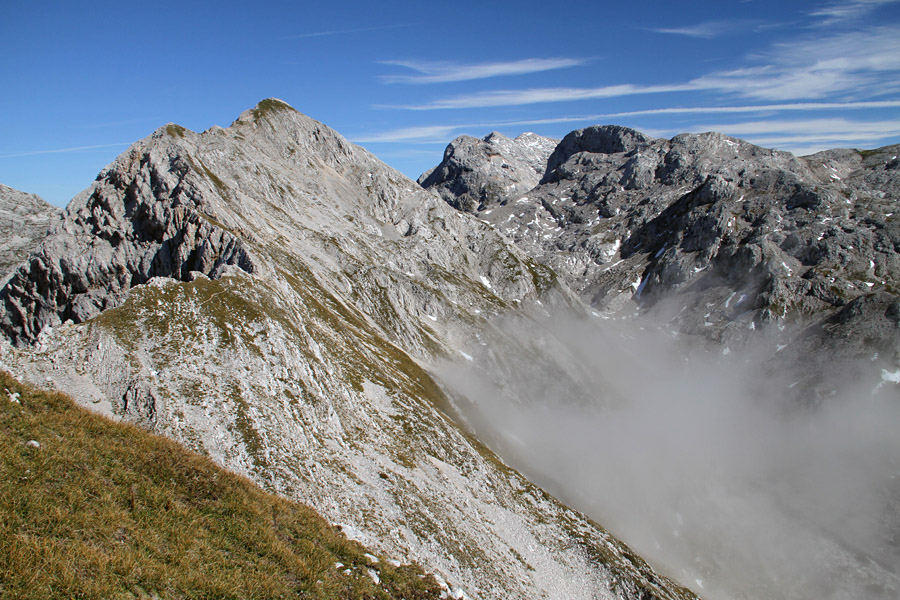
[476,174]
[710,231]
[25,220]
[143,217]
[600,139]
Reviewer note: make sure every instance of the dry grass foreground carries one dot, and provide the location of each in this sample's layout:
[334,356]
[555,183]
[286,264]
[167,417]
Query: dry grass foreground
[107,510]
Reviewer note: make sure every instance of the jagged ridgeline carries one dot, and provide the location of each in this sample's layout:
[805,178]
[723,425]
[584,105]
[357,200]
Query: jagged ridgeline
[713,235]
[272,296]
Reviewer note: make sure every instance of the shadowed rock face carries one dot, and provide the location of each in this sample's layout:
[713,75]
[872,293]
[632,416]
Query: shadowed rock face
[143,217]
[25,220]
[477,174]
[602,139]
[272,295]
[717,235]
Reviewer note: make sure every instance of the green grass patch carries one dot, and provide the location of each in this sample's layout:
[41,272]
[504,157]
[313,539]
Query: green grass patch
[107,510]
[220,185]
[268,107]
[174,130]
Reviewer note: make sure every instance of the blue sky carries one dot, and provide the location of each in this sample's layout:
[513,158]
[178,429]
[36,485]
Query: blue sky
[81,81]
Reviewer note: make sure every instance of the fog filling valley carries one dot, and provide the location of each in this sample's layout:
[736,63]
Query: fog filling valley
[703,460]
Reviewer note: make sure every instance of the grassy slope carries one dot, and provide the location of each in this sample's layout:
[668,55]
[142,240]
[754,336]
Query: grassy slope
[107,510]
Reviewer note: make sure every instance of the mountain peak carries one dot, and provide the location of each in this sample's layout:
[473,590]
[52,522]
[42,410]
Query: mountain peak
[482,171]
[266,108]
[597,139]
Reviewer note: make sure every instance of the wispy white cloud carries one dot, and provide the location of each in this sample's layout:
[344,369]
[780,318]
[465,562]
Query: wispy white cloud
[328,32]
[441,72]
[802,136]
[854,63]
[845,66]
[826,129]
[64,150]
[676,110]
[541,95]
[770,83]
[407,134]
[842,11]
[706,29]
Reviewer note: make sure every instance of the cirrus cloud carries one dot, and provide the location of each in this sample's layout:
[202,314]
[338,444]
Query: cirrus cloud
[442,72]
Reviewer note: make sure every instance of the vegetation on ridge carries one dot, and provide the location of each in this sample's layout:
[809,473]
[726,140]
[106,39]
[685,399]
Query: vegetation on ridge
[174,130]
[270,106]
[107,510]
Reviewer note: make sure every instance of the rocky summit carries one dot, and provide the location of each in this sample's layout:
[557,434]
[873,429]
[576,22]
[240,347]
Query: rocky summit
[478,173]
[276,298]
[717,237]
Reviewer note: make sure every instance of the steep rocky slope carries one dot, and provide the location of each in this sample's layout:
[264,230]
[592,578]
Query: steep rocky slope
[716,236]
[273,296]
[24,222]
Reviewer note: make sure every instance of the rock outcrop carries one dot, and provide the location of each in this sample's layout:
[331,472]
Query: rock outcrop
[142,218]
[476,174]
[25,220]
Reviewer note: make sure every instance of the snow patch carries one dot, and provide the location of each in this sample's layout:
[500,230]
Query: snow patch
[639,286]
[890,377]
[728,300]
[615,264]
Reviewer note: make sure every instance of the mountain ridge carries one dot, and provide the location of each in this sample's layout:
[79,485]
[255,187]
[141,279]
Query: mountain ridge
[268,294]
[715,236]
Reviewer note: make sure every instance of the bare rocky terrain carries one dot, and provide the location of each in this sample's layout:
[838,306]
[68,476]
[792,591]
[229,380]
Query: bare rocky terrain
[25,219]
[713,236]
[478,173]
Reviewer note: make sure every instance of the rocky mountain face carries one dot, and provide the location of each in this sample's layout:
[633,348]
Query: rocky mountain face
[476,174]
[276,298]
[715,236]
[25,220]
